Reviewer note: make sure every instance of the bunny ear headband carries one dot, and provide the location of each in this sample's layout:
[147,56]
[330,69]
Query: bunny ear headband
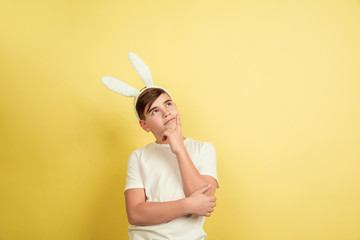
[127,90]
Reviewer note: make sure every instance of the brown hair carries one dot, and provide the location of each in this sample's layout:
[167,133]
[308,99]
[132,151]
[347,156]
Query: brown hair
[147,98]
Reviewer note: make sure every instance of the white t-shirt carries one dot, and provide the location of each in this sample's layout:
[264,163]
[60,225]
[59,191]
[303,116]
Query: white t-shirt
[155,168]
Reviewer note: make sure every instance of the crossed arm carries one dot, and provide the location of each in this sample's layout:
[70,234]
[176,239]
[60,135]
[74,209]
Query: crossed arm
[199,191]
[141,212]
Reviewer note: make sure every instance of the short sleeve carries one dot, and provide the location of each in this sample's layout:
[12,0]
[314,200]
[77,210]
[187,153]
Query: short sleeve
[207,164]
[133,173]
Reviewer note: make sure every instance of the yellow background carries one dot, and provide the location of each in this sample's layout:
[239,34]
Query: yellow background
[275,85]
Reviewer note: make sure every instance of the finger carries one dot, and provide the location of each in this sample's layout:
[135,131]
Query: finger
[166,132]
[178,123]
[164,135]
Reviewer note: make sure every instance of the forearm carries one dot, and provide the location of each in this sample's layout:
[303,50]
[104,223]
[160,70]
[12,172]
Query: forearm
[151,213]
[191,178]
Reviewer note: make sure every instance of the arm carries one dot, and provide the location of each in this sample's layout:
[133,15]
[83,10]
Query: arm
[191,178]
[140,212]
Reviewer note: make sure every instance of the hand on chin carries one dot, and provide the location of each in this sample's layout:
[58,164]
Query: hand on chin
[170,125]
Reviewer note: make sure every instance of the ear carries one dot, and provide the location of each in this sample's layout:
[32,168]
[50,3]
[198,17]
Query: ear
[144,126]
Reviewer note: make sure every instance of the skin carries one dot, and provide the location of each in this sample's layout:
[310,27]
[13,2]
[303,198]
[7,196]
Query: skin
[162,118]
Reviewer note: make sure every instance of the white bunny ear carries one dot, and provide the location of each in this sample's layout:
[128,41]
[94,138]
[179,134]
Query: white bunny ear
[120,87]
[141,69]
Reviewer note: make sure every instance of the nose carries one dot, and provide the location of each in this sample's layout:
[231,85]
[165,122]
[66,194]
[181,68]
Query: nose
[166,113]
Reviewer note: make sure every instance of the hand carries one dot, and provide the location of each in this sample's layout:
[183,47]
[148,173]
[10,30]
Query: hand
[175,136]
[200,204]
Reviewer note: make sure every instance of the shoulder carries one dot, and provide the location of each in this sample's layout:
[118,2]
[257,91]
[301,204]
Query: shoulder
[197,142]
[138,152]
[199,145]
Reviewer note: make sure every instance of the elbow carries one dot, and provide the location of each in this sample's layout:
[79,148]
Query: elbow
[135,219]
[132,219]
[131,216]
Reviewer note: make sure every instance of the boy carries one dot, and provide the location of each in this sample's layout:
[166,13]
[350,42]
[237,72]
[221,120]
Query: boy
[170,183]
[163,185]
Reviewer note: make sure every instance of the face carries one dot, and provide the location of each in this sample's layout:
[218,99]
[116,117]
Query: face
[161,115]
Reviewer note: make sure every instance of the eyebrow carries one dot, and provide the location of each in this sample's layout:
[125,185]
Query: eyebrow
[151,109]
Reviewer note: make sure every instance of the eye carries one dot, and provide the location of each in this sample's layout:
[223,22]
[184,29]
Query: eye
[154,112]
[168,104]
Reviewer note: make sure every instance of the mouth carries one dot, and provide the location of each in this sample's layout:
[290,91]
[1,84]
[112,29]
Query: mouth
[168,121]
